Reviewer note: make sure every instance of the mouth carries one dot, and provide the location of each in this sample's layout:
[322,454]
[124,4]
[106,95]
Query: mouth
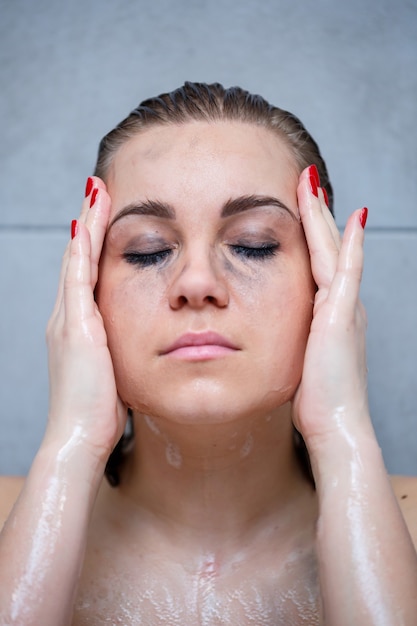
[200,347]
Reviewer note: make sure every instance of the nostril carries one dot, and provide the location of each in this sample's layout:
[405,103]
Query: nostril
[197,287]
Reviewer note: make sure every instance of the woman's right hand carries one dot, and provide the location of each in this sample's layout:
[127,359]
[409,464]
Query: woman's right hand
[44,538]
[84,407]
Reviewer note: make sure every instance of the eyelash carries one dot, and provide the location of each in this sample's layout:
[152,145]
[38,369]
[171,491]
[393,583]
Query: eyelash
[260,253]
[148,259]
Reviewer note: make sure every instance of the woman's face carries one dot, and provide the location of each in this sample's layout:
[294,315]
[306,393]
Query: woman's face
[205,285]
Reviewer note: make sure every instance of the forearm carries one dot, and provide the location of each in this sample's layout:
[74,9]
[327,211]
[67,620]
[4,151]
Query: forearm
[367,562]
[43,542]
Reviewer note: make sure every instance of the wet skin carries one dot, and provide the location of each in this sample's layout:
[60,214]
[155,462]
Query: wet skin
[204,237]
[220,260]
[206,295]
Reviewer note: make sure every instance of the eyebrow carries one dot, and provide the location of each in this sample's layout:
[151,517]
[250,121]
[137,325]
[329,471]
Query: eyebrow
[147,207]
[232,207]
[245,203]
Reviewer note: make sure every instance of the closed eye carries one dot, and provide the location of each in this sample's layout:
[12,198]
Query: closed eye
[263,251]
[146,259]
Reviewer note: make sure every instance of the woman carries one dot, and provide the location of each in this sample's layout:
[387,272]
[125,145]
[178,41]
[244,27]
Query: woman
[206,293]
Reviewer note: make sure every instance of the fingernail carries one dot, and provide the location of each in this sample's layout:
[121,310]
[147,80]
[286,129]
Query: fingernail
[93,196]
[363,216]
[314,172]
[326,197]
[313,184]
[88,186]
[74,228]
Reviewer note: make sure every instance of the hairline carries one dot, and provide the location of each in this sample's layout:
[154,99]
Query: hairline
[280,135]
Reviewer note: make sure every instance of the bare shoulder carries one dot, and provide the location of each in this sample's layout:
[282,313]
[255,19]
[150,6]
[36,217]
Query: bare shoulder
[405,489]
[10,487]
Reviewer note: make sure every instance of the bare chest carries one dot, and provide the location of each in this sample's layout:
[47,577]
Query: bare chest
[156,592]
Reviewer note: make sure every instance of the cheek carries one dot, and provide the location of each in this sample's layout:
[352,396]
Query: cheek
[289,320]
[283,295]
[285,312]
[129,308]
[128,303]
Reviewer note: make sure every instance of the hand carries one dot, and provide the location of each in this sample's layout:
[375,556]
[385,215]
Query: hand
[84,405]
[332,396]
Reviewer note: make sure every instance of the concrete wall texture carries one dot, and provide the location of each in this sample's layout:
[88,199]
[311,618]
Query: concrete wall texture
[70,71]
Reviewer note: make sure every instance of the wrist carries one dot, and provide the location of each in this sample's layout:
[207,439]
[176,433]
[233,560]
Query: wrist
[72,458]
[345,454]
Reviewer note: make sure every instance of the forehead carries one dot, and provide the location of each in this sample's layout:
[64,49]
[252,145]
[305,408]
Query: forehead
[200,159]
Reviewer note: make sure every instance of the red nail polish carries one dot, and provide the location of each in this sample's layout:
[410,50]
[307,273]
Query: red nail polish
[313,185]
[74,228]
[326,197]
[363,216]
[314,172]
[93,196]
[88,186]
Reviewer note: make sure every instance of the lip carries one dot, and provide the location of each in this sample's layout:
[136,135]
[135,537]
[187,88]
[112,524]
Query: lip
[200,346]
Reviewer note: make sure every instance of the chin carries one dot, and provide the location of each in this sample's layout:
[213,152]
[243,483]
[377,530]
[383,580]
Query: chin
[210,402]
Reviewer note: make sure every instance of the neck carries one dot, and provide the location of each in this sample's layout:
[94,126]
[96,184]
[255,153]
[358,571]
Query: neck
[217,478]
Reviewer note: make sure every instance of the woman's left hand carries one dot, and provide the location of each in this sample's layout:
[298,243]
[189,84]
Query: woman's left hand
[367,563]
[331,400]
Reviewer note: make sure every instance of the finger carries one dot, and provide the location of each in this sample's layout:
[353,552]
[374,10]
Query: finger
[78,295]
[330,220]
[97,221]
[92,183]
[60,291]
[321,232]
[343,295]
[85,207]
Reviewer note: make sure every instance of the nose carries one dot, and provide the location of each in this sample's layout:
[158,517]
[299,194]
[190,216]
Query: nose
[199,282]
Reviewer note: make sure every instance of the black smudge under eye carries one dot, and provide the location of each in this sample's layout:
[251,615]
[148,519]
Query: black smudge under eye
[244,258]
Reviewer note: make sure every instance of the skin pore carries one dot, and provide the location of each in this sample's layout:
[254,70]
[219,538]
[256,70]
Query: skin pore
[204,236]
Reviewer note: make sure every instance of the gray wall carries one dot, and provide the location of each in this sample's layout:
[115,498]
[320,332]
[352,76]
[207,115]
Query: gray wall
[70,70]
